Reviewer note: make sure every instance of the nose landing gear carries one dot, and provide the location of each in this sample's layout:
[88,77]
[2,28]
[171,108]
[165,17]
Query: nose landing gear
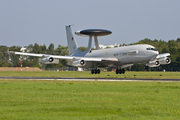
[146,67]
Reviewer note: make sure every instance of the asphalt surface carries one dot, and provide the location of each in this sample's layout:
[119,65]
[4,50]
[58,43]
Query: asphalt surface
[89,79]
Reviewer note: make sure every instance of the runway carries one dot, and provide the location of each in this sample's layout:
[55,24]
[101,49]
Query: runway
[88,79]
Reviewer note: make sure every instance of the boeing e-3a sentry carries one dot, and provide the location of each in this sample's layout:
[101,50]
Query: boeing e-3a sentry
[119,57]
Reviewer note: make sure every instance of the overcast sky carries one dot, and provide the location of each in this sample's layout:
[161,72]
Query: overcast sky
[24,22]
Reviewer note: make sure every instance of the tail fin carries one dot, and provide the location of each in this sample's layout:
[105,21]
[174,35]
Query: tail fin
[72,45]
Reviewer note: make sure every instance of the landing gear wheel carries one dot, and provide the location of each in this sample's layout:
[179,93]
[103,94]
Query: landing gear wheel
[98,71]
[123,71]
[146,67]
[117,71]
[95,71]
[92,71]
[120,71]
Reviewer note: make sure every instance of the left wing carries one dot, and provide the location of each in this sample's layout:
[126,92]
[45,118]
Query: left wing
[160,59]
[161,56]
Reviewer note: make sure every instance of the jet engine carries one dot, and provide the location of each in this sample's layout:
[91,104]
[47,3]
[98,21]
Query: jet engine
[49,60]
[78,63]
[165,61]
[154,63]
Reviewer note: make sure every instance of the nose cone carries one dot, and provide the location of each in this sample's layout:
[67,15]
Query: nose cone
[157,52]
[154,53]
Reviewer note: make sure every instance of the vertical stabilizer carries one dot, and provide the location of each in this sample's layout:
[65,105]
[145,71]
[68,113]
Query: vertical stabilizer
[72,45]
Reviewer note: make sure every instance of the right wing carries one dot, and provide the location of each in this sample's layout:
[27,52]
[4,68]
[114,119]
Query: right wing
[45,55]
[67,57]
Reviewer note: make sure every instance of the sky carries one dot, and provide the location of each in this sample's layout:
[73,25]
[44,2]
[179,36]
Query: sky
[24,22]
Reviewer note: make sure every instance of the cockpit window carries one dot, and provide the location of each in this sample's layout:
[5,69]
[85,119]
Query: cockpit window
[154,49]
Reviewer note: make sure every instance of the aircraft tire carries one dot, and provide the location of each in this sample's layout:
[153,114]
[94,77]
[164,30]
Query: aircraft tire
[117,71]
[120,71]
[123,71]
[146,67]
[95,71]
[98,71]
[92,71]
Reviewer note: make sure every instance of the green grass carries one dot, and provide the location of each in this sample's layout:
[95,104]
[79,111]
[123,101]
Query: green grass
[88,74]
[24,99]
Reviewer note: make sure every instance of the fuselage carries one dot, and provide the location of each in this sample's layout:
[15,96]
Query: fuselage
[132,54]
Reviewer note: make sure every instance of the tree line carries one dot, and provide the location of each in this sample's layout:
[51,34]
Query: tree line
[12,60]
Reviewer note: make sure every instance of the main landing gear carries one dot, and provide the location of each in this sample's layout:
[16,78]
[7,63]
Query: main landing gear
[120,71]
[95,71]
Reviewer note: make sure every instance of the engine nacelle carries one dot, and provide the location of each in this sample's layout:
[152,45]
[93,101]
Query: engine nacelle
[154,63]
[48,60]
[78,63]
[165,61]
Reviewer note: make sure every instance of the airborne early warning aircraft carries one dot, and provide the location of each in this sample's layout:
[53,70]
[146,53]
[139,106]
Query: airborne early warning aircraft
[119,58]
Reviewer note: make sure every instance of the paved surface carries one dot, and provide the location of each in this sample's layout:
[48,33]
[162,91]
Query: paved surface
[89,79]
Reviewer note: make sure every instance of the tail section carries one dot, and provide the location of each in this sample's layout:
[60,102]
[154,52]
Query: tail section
[72,45]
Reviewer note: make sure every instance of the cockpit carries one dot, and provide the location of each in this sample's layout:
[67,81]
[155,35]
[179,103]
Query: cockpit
[151,48]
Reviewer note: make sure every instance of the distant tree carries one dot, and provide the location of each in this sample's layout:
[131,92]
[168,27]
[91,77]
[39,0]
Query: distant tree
[107,47]
[14,58]
[3,55]
[179,50]
[43,48]
[165,50]
[3,48]
[83,49]
[173,50]
[178,40]
[50,49]
[6,64]
[36,48]
[14,48]
[93,49]
[172,43]
[61,50]
[30,48]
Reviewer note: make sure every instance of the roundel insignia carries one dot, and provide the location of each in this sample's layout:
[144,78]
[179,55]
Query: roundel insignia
[72,38]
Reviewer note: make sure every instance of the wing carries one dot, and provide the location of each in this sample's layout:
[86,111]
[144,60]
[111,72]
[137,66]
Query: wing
[96,59]
[44,55]
[67,57]
[161,56]
[160,59]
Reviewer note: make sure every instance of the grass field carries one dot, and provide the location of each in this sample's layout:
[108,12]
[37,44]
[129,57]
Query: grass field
[88,74]
[41,100]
